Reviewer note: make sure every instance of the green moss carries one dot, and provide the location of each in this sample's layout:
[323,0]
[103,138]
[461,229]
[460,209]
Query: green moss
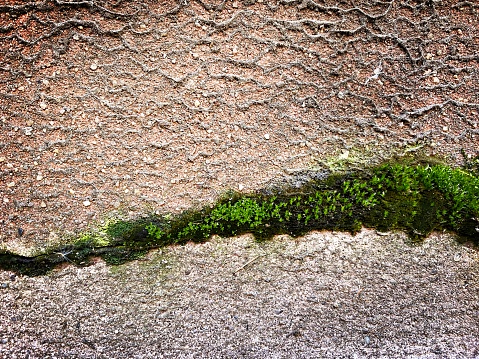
[120,255]
[415,197]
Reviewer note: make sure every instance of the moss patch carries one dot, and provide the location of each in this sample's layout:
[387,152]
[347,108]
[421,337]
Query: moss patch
[415,197]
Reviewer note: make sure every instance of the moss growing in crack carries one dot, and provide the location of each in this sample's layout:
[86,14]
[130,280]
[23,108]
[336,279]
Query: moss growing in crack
[420,199]
[120,255]
[417,198]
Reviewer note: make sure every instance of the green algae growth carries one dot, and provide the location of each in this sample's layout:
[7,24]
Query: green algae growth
[416,198]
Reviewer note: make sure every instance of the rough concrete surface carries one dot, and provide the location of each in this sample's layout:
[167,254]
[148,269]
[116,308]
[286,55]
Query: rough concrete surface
[128,107]
[112,108]
[326,295]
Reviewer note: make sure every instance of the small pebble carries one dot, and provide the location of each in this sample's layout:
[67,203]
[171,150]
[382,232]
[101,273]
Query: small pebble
[344,155]
[39,177]
[76,37]
[266,136]
[240,187]
[11,184]
[93,67]
[86,203]
[43,105]
[28,131]
[197,103]
[6,200]
[43,204]
[435,80]
[2,159]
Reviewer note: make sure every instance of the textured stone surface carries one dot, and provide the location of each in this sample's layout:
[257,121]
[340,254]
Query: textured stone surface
[158,105]
[322,296]
[131,107]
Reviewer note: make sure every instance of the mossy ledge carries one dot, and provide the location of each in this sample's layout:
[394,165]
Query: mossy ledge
[417,197]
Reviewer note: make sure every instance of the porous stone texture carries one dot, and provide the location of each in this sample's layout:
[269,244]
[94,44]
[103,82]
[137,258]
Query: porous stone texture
[139,106]
[325,295]
[126,107]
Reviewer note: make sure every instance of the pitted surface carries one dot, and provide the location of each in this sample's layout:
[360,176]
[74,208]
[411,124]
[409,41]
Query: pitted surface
[325,295]
[159,105]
